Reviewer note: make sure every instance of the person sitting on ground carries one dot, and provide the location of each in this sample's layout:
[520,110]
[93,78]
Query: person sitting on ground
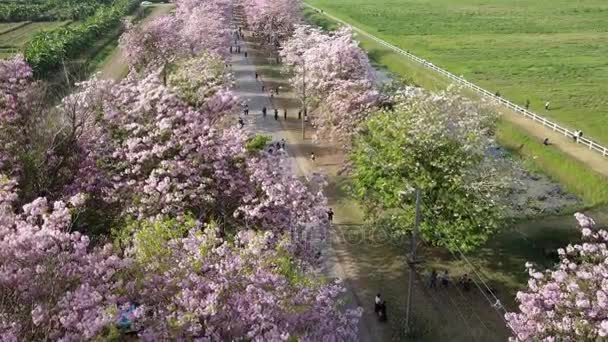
[546,142]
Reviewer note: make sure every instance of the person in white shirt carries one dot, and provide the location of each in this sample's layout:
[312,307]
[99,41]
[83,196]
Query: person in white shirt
[377,303]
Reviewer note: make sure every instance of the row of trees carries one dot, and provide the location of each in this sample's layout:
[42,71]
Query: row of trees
[210,238]
[47,50]
[441,144]
[49,10]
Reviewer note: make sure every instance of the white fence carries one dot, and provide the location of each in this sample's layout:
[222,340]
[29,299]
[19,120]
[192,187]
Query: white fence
[518,109]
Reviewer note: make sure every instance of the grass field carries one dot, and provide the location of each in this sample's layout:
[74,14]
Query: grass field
[17,38]
[575,176]
[541,50]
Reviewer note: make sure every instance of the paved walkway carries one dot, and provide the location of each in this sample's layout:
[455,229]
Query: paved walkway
[366,262]
[250,90]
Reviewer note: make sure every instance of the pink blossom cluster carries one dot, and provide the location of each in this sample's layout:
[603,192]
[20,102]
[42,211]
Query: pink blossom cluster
[216,290]
[570,301]
[53,284]
[196,80]
[335,75]
[272,21]
[194,27]
[16,93]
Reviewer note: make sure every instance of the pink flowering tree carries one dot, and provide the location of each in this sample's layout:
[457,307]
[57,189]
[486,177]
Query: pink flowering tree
[53,284]
[17,116]
[154,45]
[570,301]
[198,79]
[205,25]
[334,77]
[205,293]
[39,145]
[272,21]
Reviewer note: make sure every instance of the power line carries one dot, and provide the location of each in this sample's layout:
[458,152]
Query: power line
[472,308]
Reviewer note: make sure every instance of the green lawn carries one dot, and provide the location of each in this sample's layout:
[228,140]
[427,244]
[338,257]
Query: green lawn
[541,50]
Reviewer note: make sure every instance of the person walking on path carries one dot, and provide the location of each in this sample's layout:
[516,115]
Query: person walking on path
[283,143]
[312,157]
[241,123]
[245,54]
[433,279]
[263,88]
[285,114]
[230,48]
[276,114]
[277,90]
[377,303]
[330,215]
[264,111]
[445,279]
[256,76]
[246,110]
[466,282]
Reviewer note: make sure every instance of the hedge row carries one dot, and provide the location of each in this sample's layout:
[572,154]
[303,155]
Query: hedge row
[48,49]
[50,10]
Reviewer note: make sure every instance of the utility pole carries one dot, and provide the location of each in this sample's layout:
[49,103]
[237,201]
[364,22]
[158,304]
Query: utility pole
[303,97]
[412,263]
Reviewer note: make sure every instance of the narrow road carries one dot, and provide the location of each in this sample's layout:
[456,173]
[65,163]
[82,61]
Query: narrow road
[592,159]
[249,89]
[367,261]
[115,67]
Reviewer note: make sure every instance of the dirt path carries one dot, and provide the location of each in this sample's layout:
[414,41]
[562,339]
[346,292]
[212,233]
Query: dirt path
[592,159]
[367,261]
[115,67]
